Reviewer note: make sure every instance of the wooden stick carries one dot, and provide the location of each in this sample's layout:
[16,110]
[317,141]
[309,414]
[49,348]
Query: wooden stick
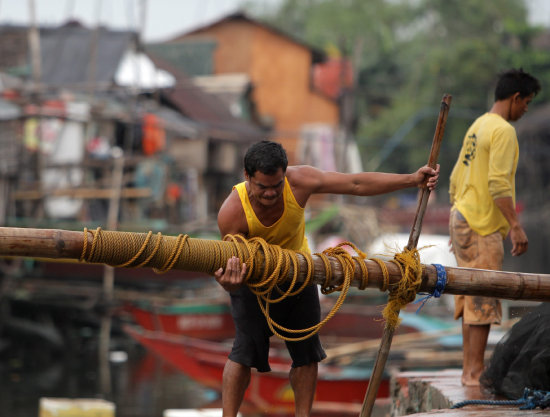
[109,276]
[432,162]
[55,244]
[387,336]
[85,193]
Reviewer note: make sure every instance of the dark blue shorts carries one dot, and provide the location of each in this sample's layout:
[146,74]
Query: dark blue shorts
[251,345]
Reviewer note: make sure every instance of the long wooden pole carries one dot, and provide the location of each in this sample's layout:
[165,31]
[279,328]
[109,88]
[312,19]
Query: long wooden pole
[424,194]
[52,244]
[109,275]
[34,43]
[432,162]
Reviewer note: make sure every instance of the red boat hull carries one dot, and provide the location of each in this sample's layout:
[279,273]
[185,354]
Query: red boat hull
[214,321]
[210,322]
[204,361]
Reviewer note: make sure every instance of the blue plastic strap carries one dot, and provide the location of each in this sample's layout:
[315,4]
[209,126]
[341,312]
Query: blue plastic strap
[441,280]
[439,286]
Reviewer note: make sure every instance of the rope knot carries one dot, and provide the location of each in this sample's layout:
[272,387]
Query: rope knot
[405,290]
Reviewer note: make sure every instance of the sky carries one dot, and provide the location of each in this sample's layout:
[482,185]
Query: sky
[164,18]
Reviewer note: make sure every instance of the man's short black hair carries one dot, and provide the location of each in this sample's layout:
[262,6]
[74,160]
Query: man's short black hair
[265,156]
[516,81]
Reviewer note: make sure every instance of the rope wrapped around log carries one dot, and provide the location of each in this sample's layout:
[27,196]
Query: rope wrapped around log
[65,244]
[263,278]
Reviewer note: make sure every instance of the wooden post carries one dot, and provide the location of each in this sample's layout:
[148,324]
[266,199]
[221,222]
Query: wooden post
[109,275]
[424,194]
[34,43]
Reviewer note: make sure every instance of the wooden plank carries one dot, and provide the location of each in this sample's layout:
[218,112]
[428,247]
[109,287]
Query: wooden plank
[433,393]
[84,193]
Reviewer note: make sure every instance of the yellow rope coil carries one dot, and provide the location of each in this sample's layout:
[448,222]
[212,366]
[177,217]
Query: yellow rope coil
[162,253]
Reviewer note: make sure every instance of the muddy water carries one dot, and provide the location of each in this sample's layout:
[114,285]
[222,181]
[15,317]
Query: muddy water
[141,385]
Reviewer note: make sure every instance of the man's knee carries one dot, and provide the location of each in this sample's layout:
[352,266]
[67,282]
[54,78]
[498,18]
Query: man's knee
[304,374]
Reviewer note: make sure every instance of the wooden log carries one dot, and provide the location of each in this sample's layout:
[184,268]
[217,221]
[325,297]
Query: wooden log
[85,193]
[65,244]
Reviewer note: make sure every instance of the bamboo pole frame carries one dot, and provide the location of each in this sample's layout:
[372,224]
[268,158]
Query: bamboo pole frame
[64,244]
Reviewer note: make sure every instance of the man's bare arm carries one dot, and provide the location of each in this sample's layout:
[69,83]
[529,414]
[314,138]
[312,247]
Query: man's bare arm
[307,180]
[517,234]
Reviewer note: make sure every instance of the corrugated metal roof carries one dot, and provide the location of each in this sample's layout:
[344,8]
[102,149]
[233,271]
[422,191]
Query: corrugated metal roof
[13,49]
[194,57]
[67,53]
[207,109]
[177,123]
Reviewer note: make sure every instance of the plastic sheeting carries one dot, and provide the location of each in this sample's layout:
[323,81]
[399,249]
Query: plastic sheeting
[522,358]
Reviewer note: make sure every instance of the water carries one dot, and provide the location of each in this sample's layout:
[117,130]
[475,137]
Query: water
[50,349]
[141,384]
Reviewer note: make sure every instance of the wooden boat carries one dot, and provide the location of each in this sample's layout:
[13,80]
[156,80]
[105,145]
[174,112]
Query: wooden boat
[212,320]
[203,320]
[342,382]
[203,361]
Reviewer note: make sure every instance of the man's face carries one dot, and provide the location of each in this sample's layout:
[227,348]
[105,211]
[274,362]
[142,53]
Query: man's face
[520,105]
[266,189]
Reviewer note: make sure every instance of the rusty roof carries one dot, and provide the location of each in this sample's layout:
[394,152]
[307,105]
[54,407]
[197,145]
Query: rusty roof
[206,108]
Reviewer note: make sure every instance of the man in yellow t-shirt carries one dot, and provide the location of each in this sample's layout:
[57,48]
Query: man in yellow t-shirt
[270,204]
[482,193]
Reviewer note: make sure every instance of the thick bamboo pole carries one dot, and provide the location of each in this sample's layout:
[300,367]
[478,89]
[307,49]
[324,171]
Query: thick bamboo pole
[64,244]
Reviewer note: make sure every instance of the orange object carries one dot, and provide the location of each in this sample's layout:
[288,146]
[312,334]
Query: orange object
[154,139]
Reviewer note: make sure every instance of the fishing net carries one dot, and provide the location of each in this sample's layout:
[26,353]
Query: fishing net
[522,358]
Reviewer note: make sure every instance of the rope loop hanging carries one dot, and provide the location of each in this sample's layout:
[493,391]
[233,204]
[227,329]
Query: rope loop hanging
[268,267]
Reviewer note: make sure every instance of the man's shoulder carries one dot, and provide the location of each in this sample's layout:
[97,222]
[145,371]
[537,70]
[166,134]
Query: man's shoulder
[295,170]
[492,126]
[495,121]
[231,205]
[304,180]
[300,174]
[231,214]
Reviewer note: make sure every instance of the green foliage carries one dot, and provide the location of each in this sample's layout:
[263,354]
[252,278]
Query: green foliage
[408,53]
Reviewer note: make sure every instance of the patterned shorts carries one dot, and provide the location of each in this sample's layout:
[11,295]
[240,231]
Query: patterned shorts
[474,251]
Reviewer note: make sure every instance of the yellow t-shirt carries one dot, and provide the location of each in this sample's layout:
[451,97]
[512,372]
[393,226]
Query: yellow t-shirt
[287,232]
[485,170]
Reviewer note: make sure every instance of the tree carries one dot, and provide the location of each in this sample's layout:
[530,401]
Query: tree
[407,54]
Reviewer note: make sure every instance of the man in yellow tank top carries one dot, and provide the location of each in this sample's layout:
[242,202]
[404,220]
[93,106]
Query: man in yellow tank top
[482,191]
[270,204]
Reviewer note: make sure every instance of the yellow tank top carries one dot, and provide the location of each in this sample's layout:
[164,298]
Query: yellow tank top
[287,232]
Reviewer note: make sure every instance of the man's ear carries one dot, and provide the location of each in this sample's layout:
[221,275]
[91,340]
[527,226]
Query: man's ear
[246,176]
[516,96]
